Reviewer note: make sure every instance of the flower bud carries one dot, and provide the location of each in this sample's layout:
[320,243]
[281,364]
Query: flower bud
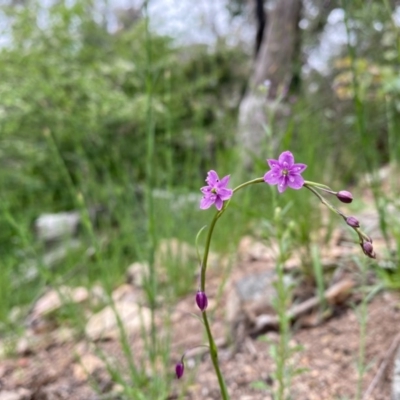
[201,300]
[368,249]
[179,369]
[353,222]
[344,196]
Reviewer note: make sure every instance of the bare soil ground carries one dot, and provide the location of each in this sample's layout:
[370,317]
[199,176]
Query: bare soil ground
[329,355]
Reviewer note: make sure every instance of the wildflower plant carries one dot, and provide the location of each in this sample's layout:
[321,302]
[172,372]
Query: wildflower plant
[284,173]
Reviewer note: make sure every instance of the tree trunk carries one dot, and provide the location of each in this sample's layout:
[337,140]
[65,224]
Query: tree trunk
[274,64]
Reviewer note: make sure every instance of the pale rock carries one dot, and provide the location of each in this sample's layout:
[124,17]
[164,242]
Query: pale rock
[253,250]
[63,335]
[243,247]
[254,295]
[23,346]
[55,226]
[248,298]
[259,251]
[104,325]
[54,299]
[137,273]
[86,366]
[19,394]
[118,389]
[126,293]
[34,341]
[51,301]
[31,343]
[97,295]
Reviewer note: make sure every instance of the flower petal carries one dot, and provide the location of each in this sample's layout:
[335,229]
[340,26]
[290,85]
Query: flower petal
[207,202]
[273,163]
[282,184]
[298,168]
[272,177]
[212,178]
[224,193]
[206,190]
[224,181]
[295,181]
[218,203]
[286,159]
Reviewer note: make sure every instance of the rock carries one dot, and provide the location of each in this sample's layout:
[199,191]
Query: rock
[247,298]
[103,325]
[20,394]
[50,227]
[250,249]
[34,341]
[53,227]
[137,273]
[98,296]
[39,319]
[86,366]
[396,377]
[54,299]
[126,293]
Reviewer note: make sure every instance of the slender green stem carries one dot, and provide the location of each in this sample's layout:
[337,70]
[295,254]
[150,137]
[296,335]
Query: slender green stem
[211,230]
[207,249]
[362,236]
[283,369]
[243,185]
[213,347]
[283,328]
[214,358]
[324,201]
[319,185]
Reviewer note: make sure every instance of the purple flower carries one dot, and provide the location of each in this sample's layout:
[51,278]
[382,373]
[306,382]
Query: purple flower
[216,192]
[368,249]
[201,300]
[344,196]
[284,172]
[353,222]
[179,369]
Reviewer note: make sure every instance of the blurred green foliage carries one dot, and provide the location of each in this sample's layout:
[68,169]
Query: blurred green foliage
[64,75]
[77,103]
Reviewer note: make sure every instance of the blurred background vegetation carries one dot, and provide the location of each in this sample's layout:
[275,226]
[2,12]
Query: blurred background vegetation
[126,121]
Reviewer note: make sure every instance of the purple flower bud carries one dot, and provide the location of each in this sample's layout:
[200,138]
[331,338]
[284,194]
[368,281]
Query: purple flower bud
[179,369]
[353,222]
[344,196]
[368,249]
[201,300]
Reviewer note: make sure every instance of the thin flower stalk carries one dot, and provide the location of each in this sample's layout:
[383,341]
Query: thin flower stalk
[212,345]
[284,173]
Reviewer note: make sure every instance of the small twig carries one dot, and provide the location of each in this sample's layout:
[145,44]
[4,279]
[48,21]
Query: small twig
[382,367]
[335,294]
